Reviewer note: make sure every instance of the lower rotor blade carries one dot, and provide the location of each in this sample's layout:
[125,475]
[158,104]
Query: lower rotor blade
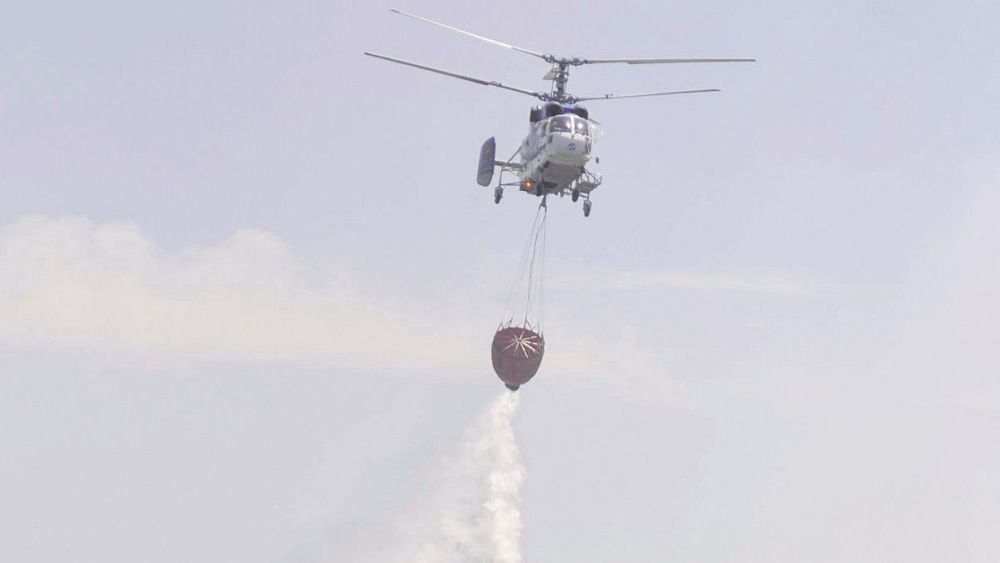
[456,75]
[617,97]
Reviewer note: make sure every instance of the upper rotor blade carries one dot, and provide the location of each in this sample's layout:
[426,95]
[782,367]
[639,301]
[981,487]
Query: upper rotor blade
[664,61]
[615,97]
[473,35]
[456,75]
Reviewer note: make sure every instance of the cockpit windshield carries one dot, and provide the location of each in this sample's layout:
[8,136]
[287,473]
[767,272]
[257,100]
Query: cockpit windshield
[562,123]
[569,124]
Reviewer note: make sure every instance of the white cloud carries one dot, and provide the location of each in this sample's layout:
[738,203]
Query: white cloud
[105,288]
[623,366]
[73,283]
[774,283]
[69,282]
[688,280]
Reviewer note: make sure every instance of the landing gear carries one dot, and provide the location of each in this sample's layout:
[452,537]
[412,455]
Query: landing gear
[586,208]
[497,194]
[576,194]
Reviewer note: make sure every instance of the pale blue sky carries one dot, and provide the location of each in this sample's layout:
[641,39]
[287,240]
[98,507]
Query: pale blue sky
[247,280]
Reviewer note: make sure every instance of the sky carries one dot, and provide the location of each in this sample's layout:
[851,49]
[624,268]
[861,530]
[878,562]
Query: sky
[247,281]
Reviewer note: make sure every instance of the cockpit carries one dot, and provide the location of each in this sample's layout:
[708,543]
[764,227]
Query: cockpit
[568,123]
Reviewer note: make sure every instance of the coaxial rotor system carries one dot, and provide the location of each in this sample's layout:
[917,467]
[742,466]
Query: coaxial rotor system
[559,73]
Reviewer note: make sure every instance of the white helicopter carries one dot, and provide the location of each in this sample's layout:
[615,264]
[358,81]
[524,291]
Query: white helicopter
[554,155]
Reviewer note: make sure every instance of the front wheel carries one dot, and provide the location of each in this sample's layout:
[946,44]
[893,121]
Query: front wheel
[497,195]
[586,208]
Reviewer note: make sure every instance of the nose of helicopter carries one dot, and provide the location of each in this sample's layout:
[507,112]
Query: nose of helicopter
[570,148]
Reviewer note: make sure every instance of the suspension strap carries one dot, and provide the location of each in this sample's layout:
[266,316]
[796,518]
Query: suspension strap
[537,257]
[530,271]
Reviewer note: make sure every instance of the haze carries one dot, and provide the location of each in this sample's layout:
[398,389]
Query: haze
[248,282]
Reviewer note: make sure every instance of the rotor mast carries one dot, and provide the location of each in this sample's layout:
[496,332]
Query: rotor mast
[560,77]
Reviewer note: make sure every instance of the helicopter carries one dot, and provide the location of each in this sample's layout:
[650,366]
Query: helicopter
[553,157]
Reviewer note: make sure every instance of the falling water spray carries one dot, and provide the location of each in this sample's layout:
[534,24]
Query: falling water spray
[479,514]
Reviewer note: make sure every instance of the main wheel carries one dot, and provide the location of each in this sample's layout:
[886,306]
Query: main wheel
[576,194]
[586,208]
[497,195]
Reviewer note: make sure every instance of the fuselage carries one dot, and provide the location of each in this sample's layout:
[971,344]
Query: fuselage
[555,152]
